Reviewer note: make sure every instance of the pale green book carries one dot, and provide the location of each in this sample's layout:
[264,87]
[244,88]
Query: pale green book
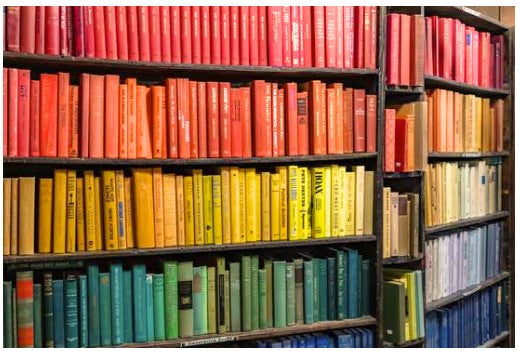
[279,293]
[227,312]
[212,302]
[171,300]
[262,299]
[268,267]
[200,299]
[254,277]
[159,306]
[235,296]
[290,293]
[186,312]
[245,293]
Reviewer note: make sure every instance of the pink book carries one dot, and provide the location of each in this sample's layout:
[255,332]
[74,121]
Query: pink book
[79,41]
[24,99]
[143,33]
[121,32]
[64,50]
[34,119]
[39,30]
[132,33]
[286,36]
[110,32]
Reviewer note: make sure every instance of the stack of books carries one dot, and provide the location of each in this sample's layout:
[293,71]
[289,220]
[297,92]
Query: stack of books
[355,337]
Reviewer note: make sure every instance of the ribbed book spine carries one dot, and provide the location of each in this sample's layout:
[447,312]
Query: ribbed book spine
[71,311]
[58,318]
[128,318]
[171,298]
[8,315]
[83,307]
[159,307]
[48,310]
[93,303]
[24,308]
[104,308]
[116,302]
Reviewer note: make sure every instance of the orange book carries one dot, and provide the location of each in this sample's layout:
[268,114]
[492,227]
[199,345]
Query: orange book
[450,121]
[183,117]
[499,106]
[331,121]
[281,113]
[348,121]
[275,126]
[96,115]
[212,120]
[158,122]
[202,139]
[159,227]
[317,122]
[123,121]
[48,114]
[131,117]
[493,131]
[262,124]
[339,122]
[430,123]
[63,114]
[225,137]
[246,122]
[236,124]
[85,104]
[143,145]
[73,120]
[291,112]
[303,123]
[194,140]
[171,117]
[111,115]
[390,140]
[359,117]
[370,123]
[458,122]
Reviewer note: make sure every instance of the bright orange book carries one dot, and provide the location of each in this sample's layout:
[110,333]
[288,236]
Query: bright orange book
[48,114]
[331,121]
[143,145]
[131,117]
[183,117]
[303,123]
[202,140]
[339,122]
[212,120]
[123,121]
[84,114]
[73,121]
[290,90]
[158,122]
[225,137]
[348,121]
[236,124]
[430,122]
[171,117]
[281,144]
[111,115]
[317,122]
[246,122]
[450,121]
[63,114]
[96,115]
[194,140]
[262,141]
[458,122]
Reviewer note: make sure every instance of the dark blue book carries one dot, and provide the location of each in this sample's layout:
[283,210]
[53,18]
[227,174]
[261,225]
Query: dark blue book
[493,311]
[443,321]
[454,327]
[294,342]
[301,341]
[477,321]
[286,343]
[93,304]
[83,309]
[58,313]
[128,318]
[343,338]
[357,337]
[71,311]
[310,340]
[261,344]
[352,283]
[321,340]
[275,344]
[140,307]
[370,333]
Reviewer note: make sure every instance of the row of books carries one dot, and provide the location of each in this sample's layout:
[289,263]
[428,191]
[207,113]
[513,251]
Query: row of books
[460,260]
[352,337]
[405,49]
[290,36]
[470,322]
[400,223]
[405,143]
[464,122]
[402,305]
[122,306]
[105,117]
[461,190]
[457,51]
[154,210]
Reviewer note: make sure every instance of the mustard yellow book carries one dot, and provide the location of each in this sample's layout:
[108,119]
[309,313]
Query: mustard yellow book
[469,122]
[98,219]
[266,205]
[486,125]
[90,211]
[26,215]
[59,211]
[335,201]
[80,215]
[129,214]
[7,218]
[350,204]
[258,207]
[283,195]
[251,204]
[235,211]
[319,206]
[159,225]
[226,209]
[309,202]
[189,210]
[427,190]
[242,205]
[70,213]
[143,195]
[180,205]
[217,210]
[386,222]
[293,205]
[110,215]
[479,123]
[14,217]
[275,206]
[359,199]
[45,195]
[342,200]
[368,202]
[327,202]
[197,176]
[121,208]
[304,230]
[208,210]
[169,209]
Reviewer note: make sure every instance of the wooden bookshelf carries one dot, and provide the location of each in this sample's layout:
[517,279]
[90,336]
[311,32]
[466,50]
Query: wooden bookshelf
[468,16]
[443,83]
[466,223]
[496,341]
[405,175]
[466,155]
[402,260]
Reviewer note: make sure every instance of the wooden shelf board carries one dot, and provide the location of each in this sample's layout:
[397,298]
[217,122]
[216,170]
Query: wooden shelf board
[415,174]
[401,260]
[469,17]
[496,341]
[403,89]
[466,155]
[466,222]
[438,82]
[411,343]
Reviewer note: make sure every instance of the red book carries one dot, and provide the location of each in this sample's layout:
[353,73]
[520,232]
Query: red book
[483,57]
[63,114]
[371,123]
[194,133]
[110,32]
[446,36]
[39,29]
[99,33]
[78,29]
[291,120]
[286,36]
[475,57]
[235,56]
[244,29]
[306,36]
[390,130]
[401,145]
[6,110]
[236,125]
[348,120]
[52,30]
[121,32]
[275,126]
[254,35]
[373,36]
[111,115]
[13,112]
[245,110]
[143,33]
[435,46]
[303,123]
[155,33]
[24,297]
[359,36]
[24,106]
[319,36]
[359,119]
[27,28]
[295,36]
[318,133]
[417,50]
[175,28]
[331,117]
[158,122]
[186,36]
[84,114]
[127,29]
[212,97]
[468,55]
[171,117]
[196,34]
[263,43]
[123,121]
[280,120]
[274,14]
[225,140]
[164,27]
[405,50]
[459,52]
[393,49]
[34,119]
[205,34]
[70,32]
[73,122]
[428,46]
[13,28]
[225,35]
[215,35]
[48,114]
[301,36]
[96,118]
[258,93]
[367,36]
[201,120]
[339,37]
[88,29]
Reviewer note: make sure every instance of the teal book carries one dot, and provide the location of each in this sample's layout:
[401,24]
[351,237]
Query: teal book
[139,302]
[200,300]
[352,285]
[171,297]
[359,290]
[316,291]
[71,311]
[48,310]
[83,308]
[235,296]
[263,312]
[268,266]
[116,299]
[290,293]
[185,277]
[58,313]
[331,288]
[149,294]
[93,303]
[37,315]
[159,306]
[128,318]
[279,293]
[254,277]
[299,290]
[308,292]
[365,287]
[246,292]
[104,308]
[341,283]
[8,315]
[322,289]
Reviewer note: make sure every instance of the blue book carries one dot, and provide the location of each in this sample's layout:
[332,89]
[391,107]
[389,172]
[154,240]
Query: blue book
[128,318]
[342,338]
[286,343]
[454,327]
[71,311]
[352,283]
[116,298]
[301,341]
[275,344]
[449,327]
[261,344]
[104,307]
[294,342]
[310,340]
[140,302]
[493,311]
[84,320]
[58,317]
[477,320]
[149,293]
[443,321]
[93,306]
[321,340]
[371,338]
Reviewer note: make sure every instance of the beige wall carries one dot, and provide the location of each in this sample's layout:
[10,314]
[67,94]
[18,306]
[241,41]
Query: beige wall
[503,14]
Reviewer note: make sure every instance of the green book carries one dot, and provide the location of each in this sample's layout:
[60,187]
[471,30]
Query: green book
[365,288]
[48,310]
[341,284]
[15,329]
[331,288]
[200,300]
[71,311]
[185,306]
[25,305]
[139,301]
[254,278]
[309,300]
[394,306]
[212,301]
[149,295]
[246,292]
[419,302]
[235,296]
[116,299]
[8,315]
[221,310]
[290,293]
[104,308]
[352,283]
[93,304]
[37,314]
[159,306]
[171,300]
[83,307]
[268,267]
[58,313]
[359,290]
[299,290]
[128,318]
[227,312]
[262,299]
[279,293]
[322,288]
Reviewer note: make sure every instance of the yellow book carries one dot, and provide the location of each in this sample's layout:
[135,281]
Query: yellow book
[266,206]
[251,205]
[319,205]
[70,212]
[197,176]
[486,127]
[258,220]
[427,192]
[7,218]
[208,210]
[169,210]
[90,211]
[386,242]
[304,230]
[359,199]
[242,205]
[180,205]
[80,215]
[368,202]
[309,202]
[143,196]
[59,212]
[479,124]
[14,217]
[327,202]
[350,202]
[188,186]
[45,186]
[26,216]
[217,210]
[283,195]
[342,200]
[129,214]
[293,205]
[98,219]
[226,209]
[159,225]
[235,211]
[335,201]
[110,215]
[275,206]
[120,207]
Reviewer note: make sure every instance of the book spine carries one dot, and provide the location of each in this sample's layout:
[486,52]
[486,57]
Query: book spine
[185,305]
[105,309]
[116,298]
[83,311]
[8,314]
[58,313]
[139,303]
[24,308]
[159,307]
[71,311]
[48,310]
[279,293]
[37,315]
[93,303]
